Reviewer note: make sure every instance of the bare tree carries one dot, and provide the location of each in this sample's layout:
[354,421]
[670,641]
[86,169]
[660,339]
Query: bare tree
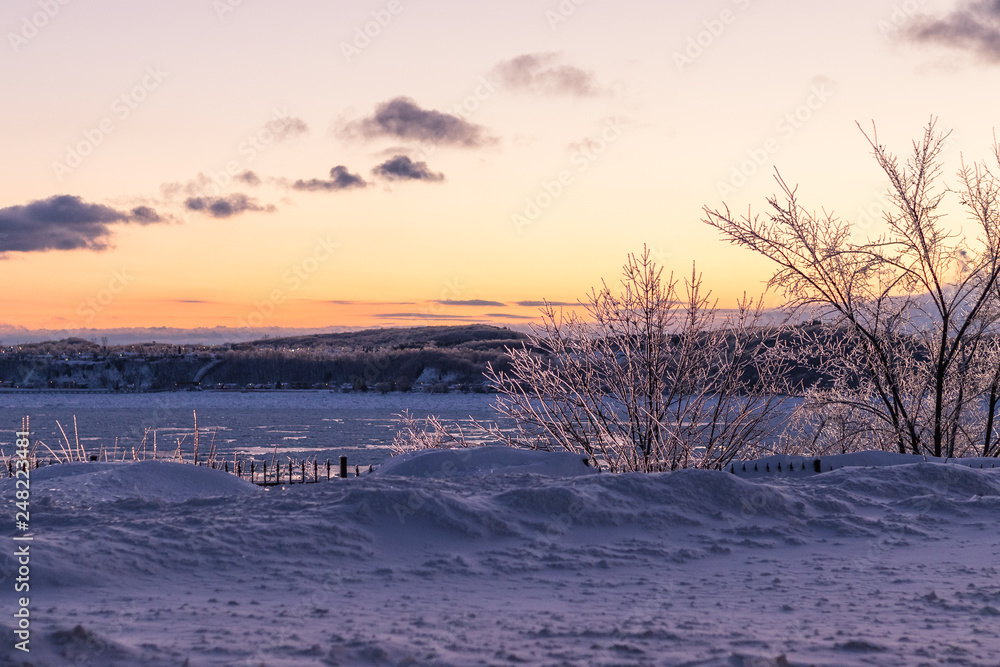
[644,380]
[914,310]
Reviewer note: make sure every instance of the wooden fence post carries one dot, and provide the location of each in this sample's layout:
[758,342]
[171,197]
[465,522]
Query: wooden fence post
[343,467]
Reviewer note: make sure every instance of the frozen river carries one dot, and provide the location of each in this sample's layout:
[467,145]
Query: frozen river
[300,423]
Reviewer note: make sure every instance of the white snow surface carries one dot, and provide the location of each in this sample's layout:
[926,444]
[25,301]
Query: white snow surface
[152,481]
[485,461]
[492,557]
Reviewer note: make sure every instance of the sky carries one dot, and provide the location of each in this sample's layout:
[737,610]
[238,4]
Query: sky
[241,166]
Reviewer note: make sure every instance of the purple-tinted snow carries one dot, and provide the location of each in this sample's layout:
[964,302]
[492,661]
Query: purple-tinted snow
[492,557]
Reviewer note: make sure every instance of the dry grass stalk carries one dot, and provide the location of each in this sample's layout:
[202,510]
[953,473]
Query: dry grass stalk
[195,436]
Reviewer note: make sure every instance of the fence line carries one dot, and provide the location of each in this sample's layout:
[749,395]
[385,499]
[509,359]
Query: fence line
[295,471]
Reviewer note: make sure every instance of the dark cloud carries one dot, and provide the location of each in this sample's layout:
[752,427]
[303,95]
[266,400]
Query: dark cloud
[402,168]
[340,179]
[539,304]
[421,316]
[470,302]
[972,26]
[144,215]
[249,177]
[64,222]
[288,127]
[508,316]
[540,73]
[402,118]
[226,207]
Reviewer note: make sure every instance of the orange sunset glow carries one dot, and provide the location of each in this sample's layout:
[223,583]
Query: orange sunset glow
[263,166]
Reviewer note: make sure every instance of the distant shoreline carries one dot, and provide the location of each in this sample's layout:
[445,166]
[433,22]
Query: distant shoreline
[213,390]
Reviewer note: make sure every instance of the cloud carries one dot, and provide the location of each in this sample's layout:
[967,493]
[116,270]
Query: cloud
[226,207]
[64,222]
[540,73]
[205,186]
[539,304]
[340,179]
[421,316]
[249,177]
[145,215]
[402,118]
[289,127]
[469,302]
[974,26]
[124,336]
[365,303]
[506,316]
[196,187]
[402,168]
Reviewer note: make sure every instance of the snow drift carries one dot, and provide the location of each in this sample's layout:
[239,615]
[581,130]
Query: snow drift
[443,558]
[485,461]
[154,481]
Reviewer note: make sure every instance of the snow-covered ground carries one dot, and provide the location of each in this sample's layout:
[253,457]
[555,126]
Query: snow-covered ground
[495,556]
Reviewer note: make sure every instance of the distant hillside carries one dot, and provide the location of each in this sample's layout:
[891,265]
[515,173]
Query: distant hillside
[478,336]
[419,358]
[441,358]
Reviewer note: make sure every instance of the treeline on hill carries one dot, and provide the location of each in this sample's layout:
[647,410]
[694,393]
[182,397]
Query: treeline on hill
[474,336]
[429,358]
[381,359]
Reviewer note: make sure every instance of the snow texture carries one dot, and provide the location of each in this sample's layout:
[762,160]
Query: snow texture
[486,461]
[494,556]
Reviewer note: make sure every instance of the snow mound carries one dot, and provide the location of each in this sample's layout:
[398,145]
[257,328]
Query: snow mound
[459,558]
[480,461]
[866,459]
[151,481]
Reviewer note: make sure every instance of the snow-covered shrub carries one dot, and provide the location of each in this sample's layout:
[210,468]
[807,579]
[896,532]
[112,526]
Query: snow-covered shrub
[915,359]
[645,377]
